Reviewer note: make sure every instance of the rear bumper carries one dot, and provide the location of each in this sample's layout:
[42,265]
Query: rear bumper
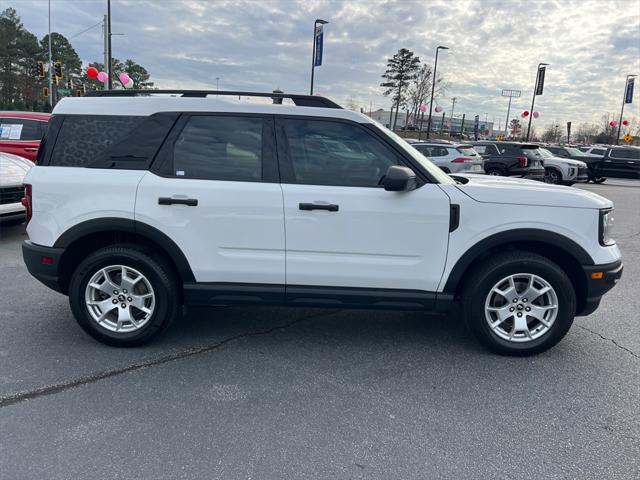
[597,287]
[42,263]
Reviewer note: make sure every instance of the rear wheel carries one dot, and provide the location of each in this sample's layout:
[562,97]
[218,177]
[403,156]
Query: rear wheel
[519,303]
[496,172]
[123,296]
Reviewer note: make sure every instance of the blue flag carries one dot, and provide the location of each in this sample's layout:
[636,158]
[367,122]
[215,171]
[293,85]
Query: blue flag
[317,61]
[628,98]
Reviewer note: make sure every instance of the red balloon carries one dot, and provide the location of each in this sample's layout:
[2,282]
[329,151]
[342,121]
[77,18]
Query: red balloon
[92,72]
[625,122]
[613,123]
[525,113]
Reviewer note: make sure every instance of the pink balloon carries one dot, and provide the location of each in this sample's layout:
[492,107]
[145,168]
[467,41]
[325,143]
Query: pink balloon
[423,107]
[103,77]
[438,109]
[124,78]
[536,114]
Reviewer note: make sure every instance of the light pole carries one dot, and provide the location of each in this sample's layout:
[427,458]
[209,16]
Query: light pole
[109,66]
[318,21]
[433,86]
[533,100]
[50,62]
[624,98]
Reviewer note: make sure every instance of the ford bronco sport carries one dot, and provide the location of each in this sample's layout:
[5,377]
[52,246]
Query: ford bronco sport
[142,202]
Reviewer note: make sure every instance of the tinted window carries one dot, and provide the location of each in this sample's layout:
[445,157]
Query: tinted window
[335,153]
[625,153]
[21,129]
[220,148]
[85,139]
[598,151]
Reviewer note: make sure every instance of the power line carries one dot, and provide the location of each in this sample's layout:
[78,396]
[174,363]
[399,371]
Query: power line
[85,30]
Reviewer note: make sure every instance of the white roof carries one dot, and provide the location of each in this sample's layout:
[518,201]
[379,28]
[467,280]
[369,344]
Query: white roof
[147,105]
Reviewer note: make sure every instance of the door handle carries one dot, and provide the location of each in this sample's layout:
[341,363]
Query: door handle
[330,207]
[190,202]
[30,149]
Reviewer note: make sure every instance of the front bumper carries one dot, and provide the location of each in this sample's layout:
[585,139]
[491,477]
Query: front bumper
[43,263]
[600,279]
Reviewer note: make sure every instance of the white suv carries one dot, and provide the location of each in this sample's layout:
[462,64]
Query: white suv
[454,158]
[142,202]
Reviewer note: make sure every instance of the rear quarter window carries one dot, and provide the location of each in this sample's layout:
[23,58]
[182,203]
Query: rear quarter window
[107,141]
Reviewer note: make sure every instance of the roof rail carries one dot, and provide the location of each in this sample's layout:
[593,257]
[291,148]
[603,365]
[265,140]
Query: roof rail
[299,100]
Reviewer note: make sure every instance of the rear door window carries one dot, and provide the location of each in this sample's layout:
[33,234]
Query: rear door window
[216,147]
[467,151]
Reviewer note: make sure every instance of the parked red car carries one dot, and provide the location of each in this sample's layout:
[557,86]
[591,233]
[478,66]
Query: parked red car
[21,132]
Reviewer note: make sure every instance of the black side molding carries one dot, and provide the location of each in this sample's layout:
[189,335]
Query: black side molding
[454,217]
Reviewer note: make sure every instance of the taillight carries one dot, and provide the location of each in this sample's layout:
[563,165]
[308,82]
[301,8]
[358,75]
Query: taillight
[522,160]
[27,202]
[462,160]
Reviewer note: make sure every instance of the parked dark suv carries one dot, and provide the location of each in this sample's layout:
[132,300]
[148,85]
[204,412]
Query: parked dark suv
[511,159]
[621,162]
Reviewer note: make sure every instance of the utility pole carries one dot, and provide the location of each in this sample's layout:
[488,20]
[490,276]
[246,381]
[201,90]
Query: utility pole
[453,105]
[50,62]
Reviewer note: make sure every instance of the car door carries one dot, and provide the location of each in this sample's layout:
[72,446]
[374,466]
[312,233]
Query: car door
[621,162]
[21,136]
[216,194]
[342,228]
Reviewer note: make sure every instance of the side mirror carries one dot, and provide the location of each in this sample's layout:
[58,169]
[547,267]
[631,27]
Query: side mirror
[399,179]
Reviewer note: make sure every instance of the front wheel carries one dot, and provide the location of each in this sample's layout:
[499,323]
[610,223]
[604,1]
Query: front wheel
[519,303]
[124,296]
[552,176]
[495,172]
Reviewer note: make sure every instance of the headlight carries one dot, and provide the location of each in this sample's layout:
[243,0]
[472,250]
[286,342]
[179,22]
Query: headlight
[606,227]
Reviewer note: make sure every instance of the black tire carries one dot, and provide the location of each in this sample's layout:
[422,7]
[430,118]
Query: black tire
[167,307]
[485,275]
[495,172]
[599,179]
[551,175]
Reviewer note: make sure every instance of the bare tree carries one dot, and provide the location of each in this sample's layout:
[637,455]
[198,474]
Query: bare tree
[420,90]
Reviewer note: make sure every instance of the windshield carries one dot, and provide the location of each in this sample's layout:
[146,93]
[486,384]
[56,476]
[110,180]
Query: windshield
[434,171]
[575,152]
[545,153]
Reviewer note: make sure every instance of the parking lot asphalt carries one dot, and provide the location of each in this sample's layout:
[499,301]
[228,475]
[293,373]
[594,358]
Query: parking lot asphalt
[255,393]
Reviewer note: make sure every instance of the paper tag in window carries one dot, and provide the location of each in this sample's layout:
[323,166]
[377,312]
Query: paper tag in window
[180,173]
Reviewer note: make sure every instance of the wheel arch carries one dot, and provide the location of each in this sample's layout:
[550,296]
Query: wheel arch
[565,252]
[86,237]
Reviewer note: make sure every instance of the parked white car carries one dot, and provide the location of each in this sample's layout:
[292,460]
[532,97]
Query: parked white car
[454,158]
[563,171]
[12,172]
[146,202]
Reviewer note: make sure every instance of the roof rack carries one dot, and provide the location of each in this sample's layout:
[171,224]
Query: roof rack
[299,100]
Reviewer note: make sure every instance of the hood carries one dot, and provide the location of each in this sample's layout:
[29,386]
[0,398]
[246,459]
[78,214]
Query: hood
[13,169]
[518,191]
[570,161]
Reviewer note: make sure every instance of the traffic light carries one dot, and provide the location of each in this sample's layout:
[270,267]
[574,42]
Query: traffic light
[40,69]
[69,84]
[57,70]
[45,92]
[78,93]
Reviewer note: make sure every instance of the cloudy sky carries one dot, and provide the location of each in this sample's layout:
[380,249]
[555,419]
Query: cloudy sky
[260,45]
